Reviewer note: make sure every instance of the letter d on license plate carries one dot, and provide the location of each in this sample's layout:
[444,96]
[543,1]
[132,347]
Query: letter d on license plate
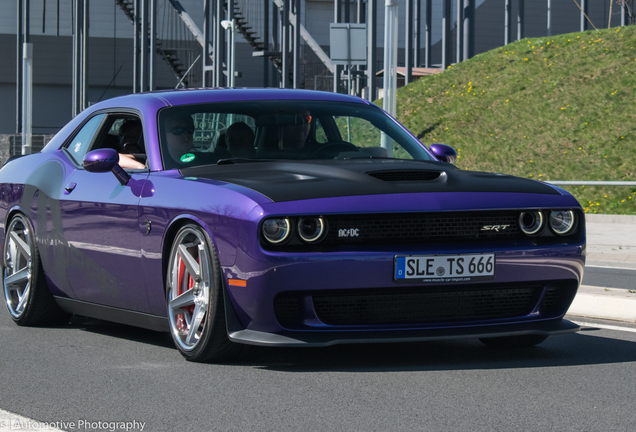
[445,268]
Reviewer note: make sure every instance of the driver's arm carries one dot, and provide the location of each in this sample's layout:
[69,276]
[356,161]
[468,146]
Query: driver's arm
[128,161]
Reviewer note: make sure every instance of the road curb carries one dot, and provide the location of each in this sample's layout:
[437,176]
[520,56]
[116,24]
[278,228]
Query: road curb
[608,218]
[604,307]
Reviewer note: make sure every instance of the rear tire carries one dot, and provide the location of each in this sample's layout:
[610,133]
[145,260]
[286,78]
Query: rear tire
[194,292]
[26,293]
[514,341]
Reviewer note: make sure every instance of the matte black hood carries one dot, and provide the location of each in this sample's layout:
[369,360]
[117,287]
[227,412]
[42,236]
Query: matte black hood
[291,180]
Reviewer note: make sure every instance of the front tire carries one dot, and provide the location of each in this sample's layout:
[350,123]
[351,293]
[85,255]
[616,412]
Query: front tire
[522,341]
[194,292]
[26,293]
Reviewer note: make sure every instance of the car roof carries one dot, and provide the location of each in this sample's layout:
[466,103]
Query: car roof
[196,96]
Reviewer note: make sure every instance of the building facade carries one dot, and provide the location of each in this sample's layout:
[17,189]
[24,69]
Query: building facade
[110,59]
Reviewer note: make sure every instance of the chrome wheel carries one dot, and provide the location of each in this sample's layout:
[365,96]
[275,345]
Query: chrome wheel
[18,266]
[189,285]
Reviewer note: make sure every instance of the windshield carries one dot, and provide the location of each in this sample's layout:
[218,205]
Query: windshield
[236,132]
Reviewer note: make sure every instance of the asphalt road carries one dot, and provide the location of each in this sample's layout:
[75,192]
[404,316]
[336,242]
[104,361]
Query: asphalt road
[610,277]
[98,371]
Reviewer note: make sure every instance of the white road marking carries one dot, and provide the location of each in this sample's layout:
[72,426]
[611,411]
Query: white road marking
[605,326]
[610,267]
[14,422]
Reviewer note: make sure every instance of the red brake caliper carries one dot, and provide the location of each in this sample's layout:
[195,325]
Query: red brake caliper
[181,323]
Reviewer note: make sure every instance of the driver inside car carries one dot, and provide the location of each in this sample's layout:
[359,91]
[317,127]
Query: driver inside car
[130,136]
[179,131]
[294,136]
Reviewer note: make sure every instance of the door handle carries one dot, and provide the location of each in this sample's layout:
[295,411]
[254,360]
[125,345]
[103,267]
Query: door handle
[69,188]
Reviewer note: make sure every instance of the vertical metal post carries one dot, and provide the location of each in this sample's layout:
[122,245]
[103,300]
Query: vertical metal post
[458,33]
[136,48]
[275,40]
[549,23]
[507,22]
[27,96]
[18,69]
[347,19]
[152,43]
[623,14]
[520,20]
[296,60]
[77,56]
[408,43]
[230,48]
[143,81]
[427,34]
[84,42]
[337,17]
[446,34]
[285,44]
[360,19]
[219,37]
[231,73]
[372,35]
[27,80]
[469,29]
[417,23]
[266,6]
[390,65]
[583,13]
[205,53]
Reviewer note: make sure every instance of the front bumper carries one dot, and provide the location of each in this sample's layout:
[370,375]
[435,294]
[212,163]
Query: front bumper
[254,317]
[326,338]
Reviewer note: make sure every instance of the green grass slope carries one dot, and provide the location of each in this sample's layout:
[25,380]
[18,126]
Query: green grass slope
[551,108]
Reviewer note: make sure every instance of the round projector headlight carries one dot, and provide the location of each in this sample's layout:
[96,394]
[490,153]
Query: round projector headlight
[276,230]
[311,229]
[531,223]
[562,221]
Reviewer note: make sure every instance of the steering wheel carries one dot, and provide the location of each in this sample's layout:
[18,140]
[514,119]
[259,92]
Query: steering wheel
[333,148]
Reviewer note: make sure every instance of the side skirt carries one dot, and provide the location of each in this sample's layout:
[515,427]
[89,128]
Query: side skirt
[107,313]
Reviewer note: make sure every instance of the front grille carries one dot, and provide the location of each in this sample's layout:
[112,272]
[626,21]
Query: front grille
[423,227]
[288,309]
[405,175]
[425,305]
[557,299]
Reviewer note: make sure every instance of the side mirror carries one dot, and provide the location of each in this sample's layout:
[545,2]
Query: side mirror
[444,153]
[104,160]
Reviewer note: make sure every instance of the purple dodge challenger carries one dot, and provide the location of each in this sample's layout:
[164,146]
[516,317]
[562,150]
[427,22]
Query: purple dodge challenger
[235,217]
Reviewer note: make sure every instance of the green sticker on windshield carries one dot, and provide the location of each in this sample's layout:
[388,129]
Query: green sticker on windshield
[188,157]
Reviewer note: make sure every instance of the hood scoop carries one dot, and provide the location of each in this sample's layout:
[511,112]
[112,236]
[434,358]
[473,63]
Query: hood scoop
[405,175]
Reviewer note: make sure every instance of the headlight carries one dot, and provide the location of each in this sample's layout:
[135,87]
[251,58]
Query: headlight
[276,230]
[531,222]
[311,229]
[562,221]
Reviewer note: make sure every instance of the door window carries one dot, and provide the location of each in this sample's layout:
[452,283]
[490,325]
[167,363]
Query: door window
[79,145]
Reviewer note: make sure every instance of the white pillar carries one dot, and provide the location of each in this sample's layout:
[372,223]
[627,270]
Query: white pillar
[27,97]
[390,64]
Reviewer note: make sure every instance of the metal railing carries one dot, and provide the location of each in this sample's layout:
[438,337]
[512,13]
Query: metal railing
[591,183]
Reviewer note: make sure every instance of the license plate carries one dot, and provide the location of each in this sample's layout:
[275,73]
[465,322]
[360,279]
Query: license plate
[445,268]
